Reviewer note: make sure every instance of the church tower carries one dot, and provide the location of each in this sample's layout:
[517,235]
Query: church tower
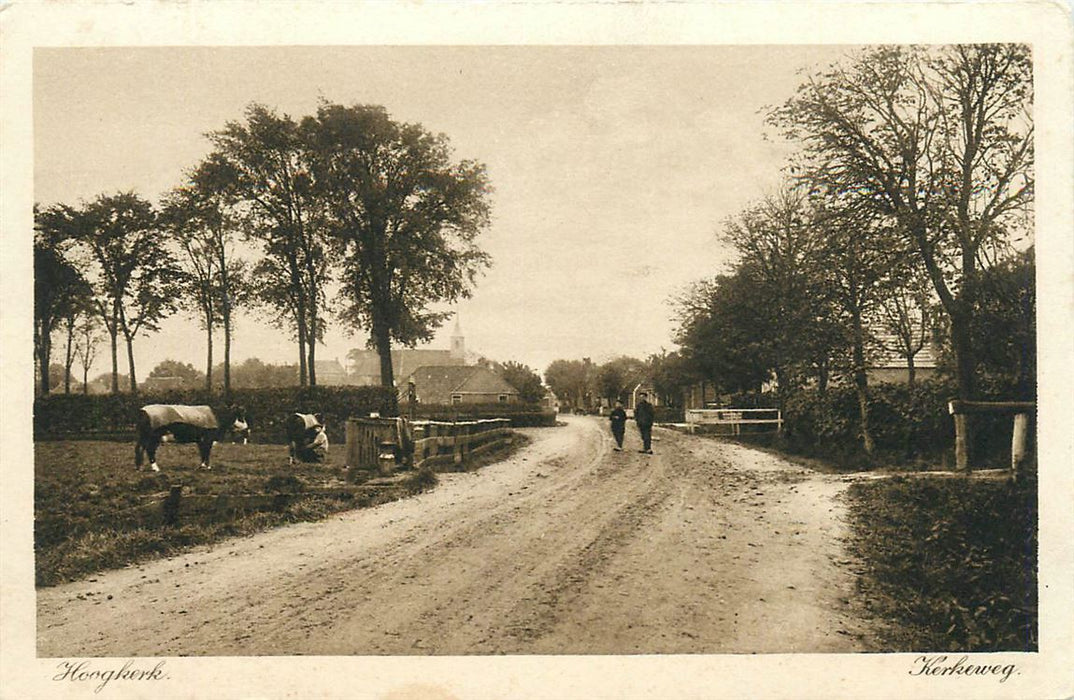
[458,345]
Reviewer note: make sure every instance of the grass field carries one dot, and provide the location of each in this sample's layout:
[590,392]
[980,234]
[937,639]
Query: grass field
[949,564]
[90,502]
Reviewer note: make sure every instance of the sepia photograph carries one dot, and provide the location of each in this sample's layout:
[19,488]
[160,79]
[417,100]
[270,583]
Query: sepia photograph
[586,364]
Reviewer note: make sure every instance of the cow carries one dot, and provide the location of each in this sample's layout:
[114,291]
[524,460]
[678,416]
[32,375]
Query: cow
[307,440]
[199,424]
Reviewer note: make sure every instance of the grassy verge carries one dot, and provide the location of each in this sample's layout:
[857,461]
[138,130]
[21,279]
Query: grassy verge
[949,564]
[84,490]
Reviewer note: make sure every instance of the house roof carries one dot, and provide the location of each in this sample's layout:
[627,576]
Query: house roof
[405,361]
[886,355]
[436,383]
[328,367]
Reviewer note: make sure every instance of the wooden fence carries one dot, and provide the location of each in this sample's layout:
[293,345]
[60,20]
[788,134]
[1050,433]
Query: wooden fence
[732,419]
[381,444]
[1021,410]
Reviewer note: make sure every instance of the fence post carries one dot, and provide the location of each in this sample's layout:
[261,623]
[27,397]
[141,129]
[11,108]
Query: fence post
[171,505]
[351,459]
[1018,442]
[962,458]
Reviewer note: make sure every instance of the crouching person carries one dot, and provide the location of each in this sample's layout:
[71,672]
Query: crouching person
[307,438]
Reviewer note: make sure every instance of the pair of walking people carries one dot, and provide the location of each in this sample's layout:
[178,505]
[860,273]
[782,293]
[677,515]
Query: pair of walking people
[643,416]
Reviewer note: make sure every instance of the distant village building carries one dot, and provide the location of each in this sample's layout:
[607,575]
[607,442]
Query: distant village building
[330,373]
[639,389]
[363,366]
[550,400]
[886,366]
[460,384]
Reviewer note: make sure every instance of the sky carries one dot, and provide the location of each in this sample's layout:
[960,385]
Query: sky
[613,168]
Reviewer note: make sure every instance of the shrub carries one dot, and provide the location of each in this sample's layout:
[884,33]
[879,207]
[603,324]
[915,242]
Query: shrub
[951,564]
[114,415]
[668,414]
[908,424]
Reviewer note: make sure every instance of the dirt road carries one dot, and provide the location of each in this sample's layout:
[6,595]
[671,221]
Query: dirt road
[567,548]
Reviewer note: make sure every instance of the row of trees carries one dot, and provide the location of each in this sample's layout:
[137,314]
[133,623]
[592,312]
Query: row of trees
[347,196]
[583,384]
[913,181]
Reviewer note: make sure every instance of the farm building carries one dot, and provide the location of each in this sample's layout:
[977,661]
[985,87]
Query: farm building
[331,373]
[363,366]
[454,384]
[886,366]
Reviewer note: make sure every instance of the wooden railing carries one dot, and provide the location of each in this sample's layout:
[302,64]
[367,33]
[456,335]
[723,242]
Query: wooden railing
[381,444]
[734,418]
[1021,410]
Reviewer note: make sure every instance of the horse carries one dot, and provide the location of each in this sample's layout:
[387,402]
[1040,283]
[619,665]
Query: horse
[306,438]
[185,424]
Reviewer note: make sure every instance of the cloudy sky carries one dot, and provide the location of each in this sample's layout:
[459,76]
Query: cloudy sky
[613,167]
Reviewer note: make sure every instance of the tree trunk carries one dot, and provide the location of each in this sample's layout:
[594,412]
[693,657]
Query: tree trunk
[209,353]
[113,332]
[300,320]
[910,371]
[861,383]
[69,357]
[85,379]
[311,348]
[382,339]
[130,362]
[227,354]
[44,351]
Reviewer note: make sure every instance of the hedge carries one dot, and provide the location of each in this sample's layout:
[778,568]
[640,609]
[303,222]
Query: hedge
[113,415]
[908,423]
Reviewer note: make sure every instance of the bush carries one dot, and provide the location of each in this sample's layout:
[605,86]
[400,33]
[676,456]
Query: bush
[908,424]
[950,564]
[114,415]
[668,414]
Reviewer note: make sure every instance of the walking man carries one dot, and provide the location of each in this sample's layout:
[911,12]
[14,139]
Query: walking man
[618,419]
[643,415]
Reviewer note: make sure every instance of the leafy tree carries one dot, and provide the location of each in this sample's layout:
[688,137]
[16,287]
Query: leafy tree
[261,169]
[670,373]
[858,252]
[183,370]
[59,291]
[1004,324]
[617,377]
[405,218]
[88,338]
[781,251]
[254,373]
[938,139]
[723,332]
[569,380]
[134,279]
[524,379]
[200,221]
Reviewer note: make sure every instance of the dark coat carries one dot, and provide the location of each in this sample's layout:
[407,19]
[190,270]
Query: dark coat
[643,413]
[617,416]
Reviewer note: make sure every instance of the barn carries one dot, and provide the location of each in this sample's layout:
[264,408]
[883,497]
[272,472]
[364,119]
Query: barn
[453,384]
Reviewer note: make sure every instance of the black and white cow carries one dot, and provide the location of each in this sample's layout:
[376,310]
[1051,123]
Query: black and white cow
[186,424]
[307,439]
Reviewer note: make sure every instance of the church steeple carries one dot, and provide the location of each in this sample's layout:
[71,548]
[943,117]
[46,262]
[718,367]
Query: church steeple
[458,345]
